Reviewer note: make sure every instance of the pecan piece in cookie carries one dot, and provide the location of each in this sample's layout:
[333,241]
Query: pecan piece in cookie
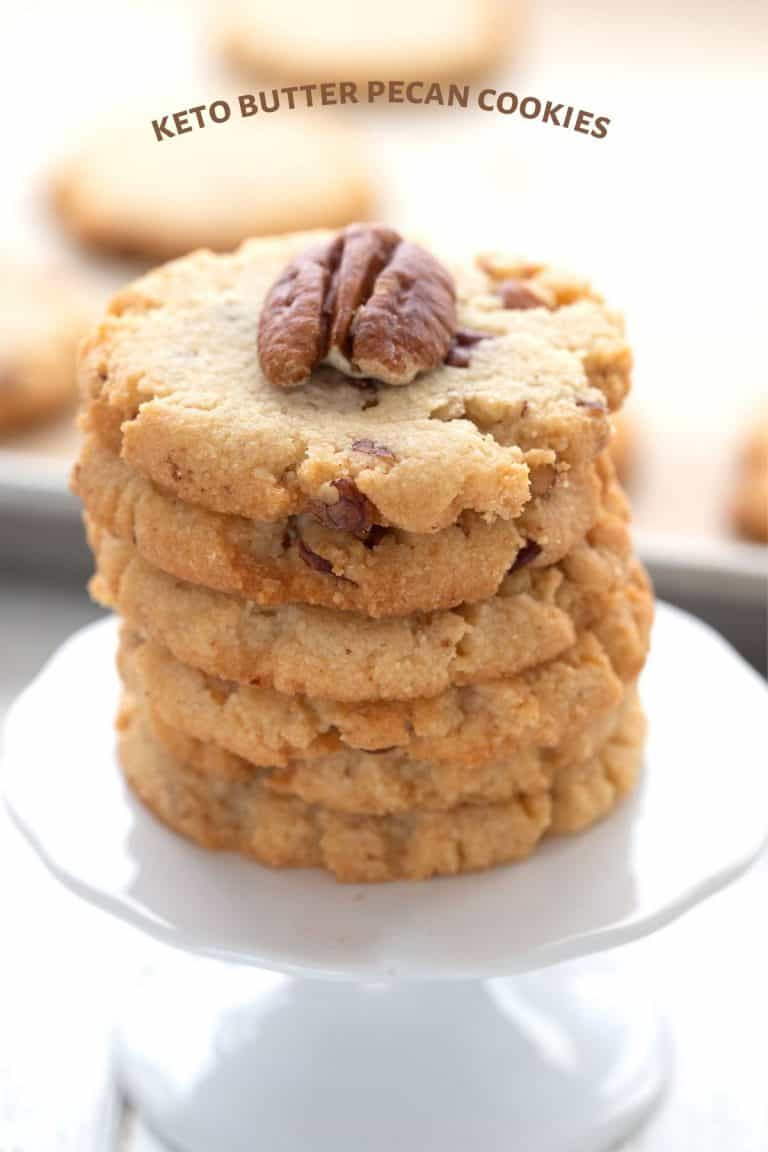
[352,512]
[375,535]
[591,405]
[313,559]
[373,448]
[527,554]
[365,301]
[518,294]
[459,355]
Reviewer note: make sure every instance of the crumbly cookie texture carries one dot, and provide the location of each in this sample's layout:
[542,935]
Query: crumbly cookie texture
[749,506]
[300,560]
[123,191]
[42,317]
[448,40]
[231,809]
[172,380]
[540,706]
[301,650]
[388,783]
[584,792]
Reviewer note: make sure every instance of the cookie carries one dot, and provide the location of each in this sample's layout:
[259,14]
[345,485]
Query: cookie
[540,706]
[749,505]
[302,560]
[42,317]
[622,447]
[172,379]
[586,792]
[367,783]
[232,810]
[124,191]
[363,42]
[388,783]
[302,650]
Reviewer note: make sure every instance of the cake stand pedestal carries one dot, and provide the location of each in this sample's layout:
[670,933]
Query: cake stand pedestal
[460,1014]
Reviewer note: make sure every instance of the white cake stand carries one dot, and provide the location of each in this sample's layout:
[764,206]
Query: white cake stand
[433,1020]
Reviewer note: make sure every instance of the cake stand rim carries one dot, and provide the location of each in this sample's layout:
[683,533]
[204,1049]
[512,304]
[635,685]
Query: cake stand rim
[588,942]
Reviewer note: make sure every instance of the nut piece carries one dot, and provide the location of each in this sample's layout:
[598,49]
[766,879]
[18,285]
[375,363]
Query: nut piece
[459,355]
[518,294]
[314,561]
[352,512]
[527,554]
[373,448]
[366,302]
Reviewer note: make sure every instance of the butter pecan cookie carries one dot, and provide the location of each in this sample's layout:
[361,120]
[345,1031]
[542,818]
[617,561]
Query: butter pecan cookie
[749,506]
[445,39]
[388,783]
[315,651]
[125,191]
[305,559]
[232,810]
[42,317]
[174,382]
[540,706]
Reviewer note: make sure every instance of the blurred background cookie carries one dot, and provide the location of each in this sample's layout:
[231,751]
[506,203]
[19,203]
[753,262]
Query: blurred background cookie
[749,508]
[126,192]
[42,316]
[347,40]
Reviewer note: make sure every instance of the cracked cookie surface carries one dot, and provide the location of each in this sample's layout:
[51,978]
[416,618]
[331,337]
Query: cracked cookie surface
[535,616]
[231,809]
[388,783]
[172,382]
[301,560]
[541,706]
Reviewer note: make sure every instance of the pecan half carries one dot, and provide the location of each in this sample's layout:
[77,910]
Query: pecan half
[365,301]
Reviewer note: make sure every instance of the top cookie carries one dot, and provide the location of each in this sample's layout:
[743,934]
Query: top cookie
[173,381]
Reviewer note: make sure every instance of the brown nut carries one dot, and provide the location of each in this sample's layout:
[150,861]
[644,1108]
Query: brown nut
[366,302]
[519,295]
[459,354]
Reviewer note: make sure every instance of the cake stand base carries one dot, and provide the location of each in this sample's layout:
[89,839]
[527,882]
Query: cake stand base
[448,1033]
[567,1059]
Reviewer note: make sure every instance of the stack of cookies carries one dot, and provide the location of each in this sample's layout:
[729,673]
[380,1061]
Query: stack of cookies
[357,512]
